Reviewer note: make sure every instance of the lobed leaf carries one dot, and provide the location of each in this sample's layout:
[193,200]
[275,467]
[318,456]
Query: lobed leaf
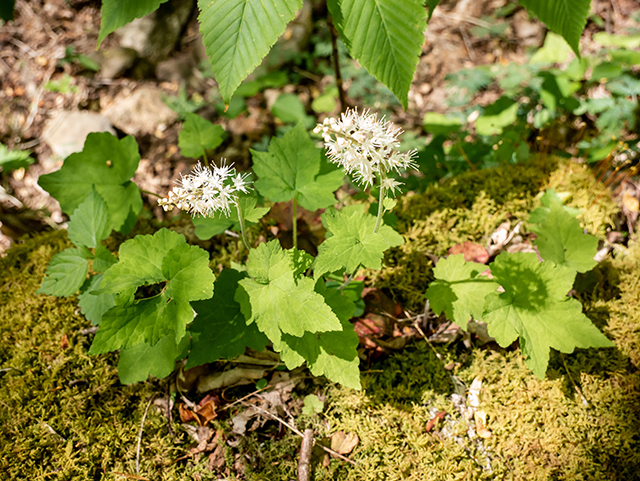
[198,135]
[279,302]
[332,354]
[562,241]
[292,168]
[459,290]
[386,37]
[105,164]
[219,329]
[535,308]
[237,34]
[167,261]
[351,241]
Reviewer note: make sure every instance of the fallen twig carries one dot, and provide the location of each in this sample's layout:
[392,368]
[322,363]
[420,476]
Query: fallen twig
[305,455]
[144,416]
[297,431]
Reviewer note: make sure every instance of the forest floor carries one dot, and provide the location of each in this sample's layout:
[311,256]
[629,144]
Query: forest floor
[438,404]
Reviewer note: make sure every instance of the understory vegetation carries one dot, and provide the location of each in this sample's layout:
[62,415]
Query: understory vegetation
[419,257]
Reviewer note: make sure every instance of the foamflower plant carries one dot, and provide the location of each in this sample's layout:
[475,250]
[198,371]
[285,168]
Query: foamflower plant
[366,148]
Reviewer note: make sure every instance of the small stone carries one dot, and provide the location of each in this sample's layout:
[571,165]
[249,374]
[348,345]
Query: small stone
[65,133]
[140,112]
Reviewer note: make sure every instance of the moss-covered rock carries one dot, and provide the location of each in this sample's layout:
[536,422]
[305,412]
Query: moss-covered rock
[64,415]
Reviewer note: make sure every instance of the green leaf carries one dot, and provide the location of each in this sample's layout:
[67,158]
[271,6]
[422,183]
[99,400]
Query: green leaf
[14,159]
[539,215]
[89,223]
[352,241]
[117,13]
[332,354]
[554,50]
[163,259]
[625,56]
[93,306]
[207,227]
[565,17]
[198,135]
[66,273]
[432,4]
[386,37]
[611,40]
[459,290]
[290,109]
[439,124]
[562,241]
[103,259]
[237,34]
[139,362]
[312,405]
[219,329]
[106,164]
[535,308]
[606,71]
[502,113]
[279,302]
[292,168]
[6,10]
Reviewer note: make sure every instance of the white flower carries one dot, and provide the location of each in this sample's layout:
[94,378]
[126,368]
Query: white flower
[207,190]
[365,146]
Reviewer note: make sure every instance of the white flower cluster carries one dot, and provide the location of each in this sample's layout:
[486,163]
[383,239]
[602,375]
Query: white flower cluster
[207,190]
[365,147]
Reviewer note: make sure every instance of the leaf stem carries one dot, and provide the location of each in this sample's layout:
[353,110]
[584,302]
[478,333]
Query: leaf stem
[206,160]
[295,222]
[149,193]
[241,219]
[380,205]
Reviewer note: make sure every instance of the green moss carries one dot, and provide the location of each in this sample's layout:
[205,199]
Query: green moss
[471,207]
[47,386]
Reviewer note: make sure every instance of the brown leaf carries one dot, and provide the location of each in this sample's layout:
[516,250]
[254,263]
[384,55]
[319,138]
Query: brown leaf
[343,443]
[64,342]
[206,412]
[472,252]
[186,415]
[435,420]
[216,458]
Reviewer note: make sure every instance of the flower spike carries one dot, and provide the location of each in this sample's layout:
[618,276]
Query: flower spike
[207,190]
[365,146]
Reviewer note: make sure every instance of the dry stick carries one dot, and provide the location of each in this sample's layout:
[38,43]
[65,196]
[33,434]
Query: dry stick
[336,63]
[575,386]
[297,431]
[144,416]
[305,455]
[467,44]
